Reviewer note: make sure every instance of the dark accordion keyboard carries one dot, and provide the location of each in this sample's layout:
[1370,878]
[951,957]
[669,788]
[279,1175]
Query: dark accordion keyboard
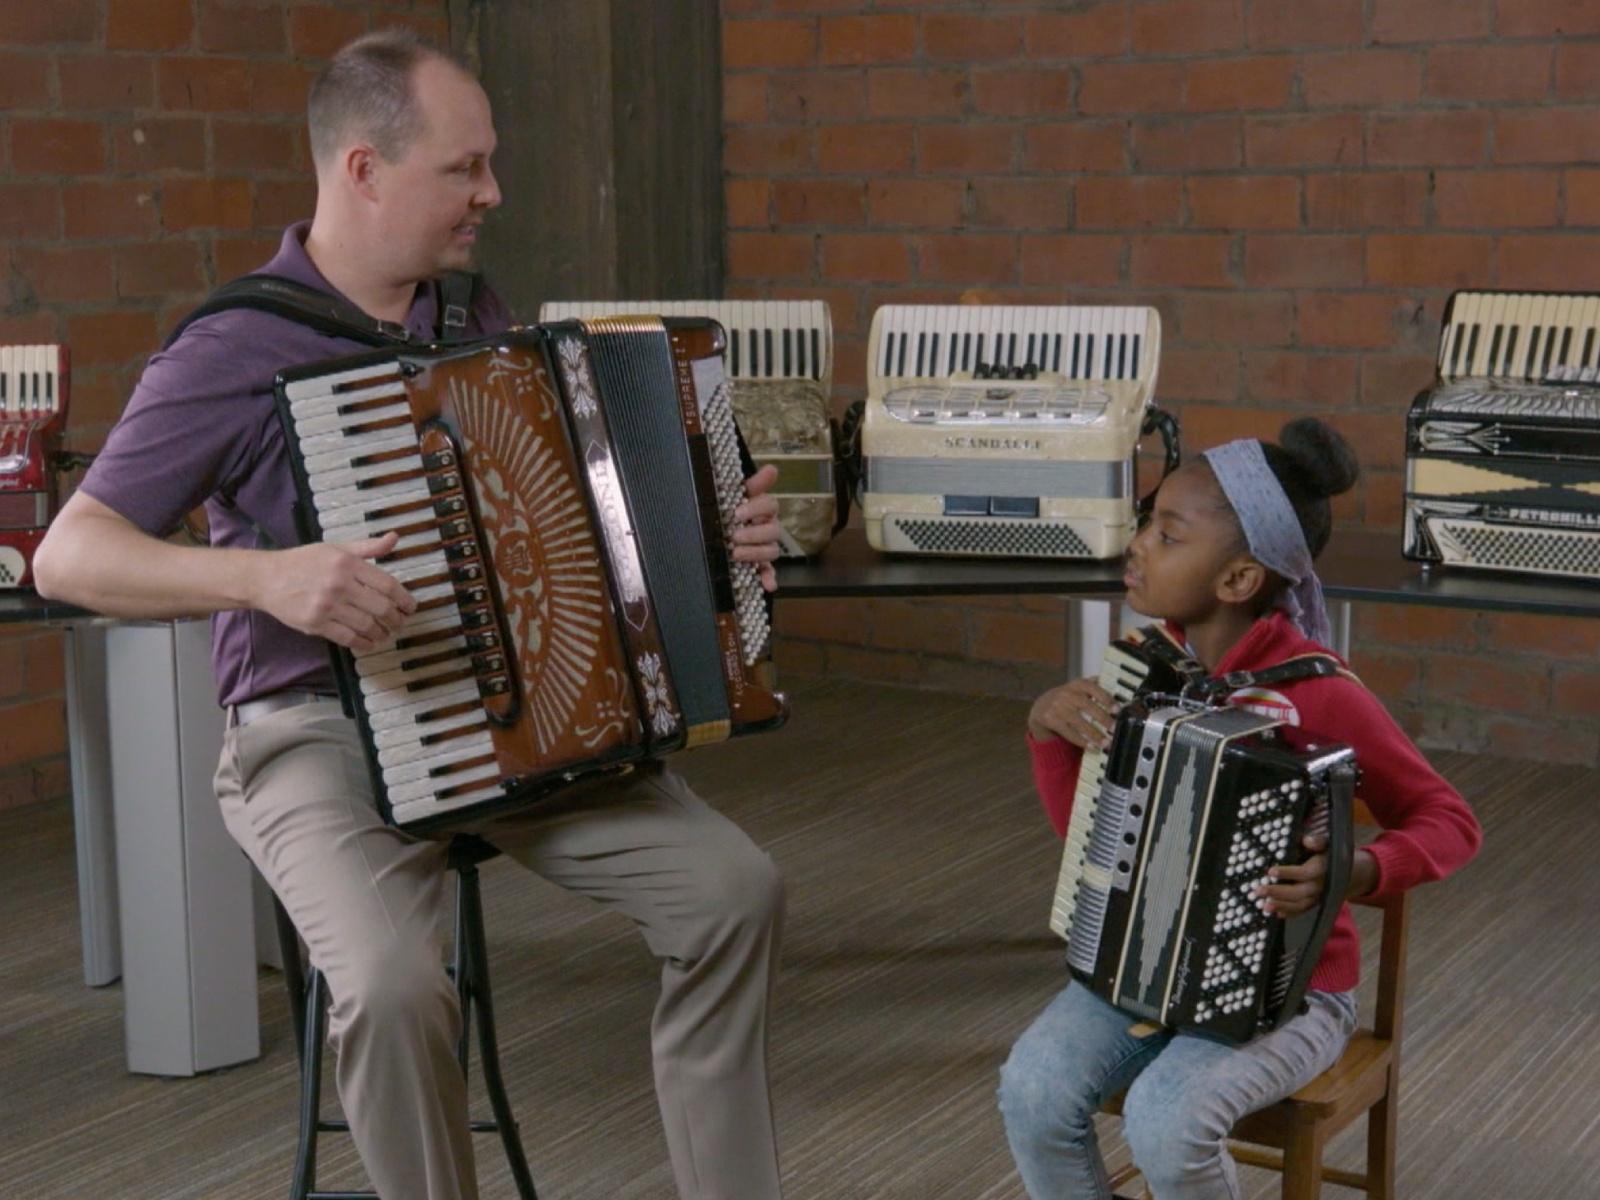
[33,414]
[564,495]
[1503,452]
[1192,805]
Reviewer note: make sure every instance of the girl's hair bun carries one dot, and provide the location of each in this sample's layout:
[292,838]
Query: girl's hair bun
[1324,460]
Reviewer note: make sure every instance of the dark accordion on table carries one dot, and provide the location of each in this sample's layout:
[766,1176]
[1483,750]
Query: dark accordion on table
[33,414]
[564,495]
[1171,831]
[1503,452]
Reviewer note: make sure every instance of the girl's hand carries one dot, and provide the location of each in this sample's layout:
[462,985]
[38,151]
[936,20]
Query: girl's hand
[1296,889]
[1081,712]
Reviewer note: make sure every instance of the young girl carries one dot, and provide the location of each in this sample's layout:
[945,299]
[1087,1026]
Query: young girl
[1226,560]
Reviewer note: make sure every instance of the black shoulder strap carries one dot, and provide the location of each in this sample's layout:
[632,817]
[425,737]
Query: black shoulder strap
[456,291]
[1302,666]
[329,314]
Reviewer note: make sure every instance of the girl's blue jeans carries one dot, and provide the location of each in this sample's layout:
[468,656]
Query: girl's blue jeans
[1184,1094]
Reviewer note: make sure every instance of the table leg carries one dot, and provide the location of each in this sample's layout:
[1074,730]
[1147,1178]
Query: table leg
[189,963]
[89,751]
[1088,634]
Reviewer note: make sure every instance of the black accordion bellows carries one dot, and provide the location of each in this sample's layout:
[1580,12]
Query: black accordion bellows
[1191,805]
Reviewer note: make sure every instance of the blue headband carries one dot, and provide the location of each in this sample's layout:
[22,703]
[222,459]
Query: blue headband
[1272,530]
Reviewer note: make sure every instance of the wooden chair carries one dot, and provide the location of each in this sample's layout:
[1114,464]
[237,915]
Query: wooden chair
[1289,1136]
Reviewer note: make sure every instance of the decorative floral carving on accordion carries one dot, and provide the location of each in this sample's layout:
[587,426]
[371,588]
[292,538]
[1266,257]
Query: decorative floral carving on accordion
[575,371]
[657,699]
[522,375]
[613,714]
[538,535]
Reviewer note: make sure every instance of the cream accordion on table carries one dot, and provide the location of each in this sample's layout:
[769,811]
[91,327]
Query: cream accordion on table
[779,362]
[1503,452]
[1007,430]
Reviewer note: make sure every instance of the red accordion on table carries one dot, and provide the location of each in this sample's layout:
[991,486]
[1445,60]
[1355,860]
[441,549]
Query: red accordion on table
[33,413]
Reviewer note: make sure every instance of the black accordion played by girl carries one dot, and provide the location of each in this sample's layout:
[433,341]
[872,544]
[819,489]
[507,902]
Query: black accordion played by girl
[1173,828]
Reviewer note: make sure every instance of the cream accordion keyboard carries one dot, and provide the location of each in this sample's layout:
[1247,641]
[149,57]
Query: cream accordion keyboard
[1503,452]
[779,362]
[1006,430]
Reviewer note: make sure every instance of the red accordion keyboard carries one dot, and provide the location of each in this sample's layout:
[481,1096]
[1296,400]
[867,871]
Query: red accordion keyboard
[33,414]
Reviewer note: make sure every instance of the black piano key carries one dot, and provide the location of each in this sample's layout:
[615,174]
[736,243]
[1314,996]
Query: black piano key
[753,367]
[788,353]
[922,354]
[1472,351]
[1088,356]
[50,390]
[1011,351]
[1028,357]
[1566,346]
[766,347]
[1055,352]
[900,366]
[933,355]
[816,354]
[1511,351]
[966,352]
[1588,346]
[1138,353]
[1549,351]
[733,352]
[1532,364]
[1494,350]
[800,354]
[1122,357]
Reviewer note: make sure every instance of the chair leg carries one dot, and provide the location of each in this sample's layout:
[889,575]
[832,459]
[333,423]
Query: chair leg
[312,1021]
[1302,1163]
[1382,1132]
[475,970]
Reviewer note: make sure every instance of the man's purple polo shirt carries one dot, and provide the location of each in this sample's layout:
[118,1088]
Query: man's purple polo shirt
[202,425]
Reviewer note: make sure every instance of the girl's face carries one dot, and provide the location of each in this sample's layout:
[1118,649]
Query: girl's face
[1179,564]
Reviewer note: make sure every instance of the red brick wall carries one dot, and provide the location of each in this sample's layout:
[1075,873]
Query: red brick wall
[1296,186]
[149,150]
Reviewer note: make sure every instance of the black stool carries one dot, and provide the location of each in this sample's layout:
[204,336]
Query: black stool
[308,1004]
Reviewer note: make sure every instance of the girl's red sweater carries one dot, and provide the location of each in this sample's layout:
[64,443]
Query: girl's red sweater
[1428,829]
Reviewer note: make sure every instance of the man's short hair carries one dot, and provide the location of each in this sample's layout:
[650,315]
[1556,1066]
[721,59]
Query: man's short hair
[366,90]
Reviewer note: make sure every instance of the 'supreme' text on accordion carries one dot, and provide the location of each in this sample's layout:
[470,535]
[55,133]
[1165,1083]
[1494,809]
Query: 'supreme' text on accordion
[1008,430]
[564,496]
[1503,452]
[33,414]
[779,361]
[1172,829]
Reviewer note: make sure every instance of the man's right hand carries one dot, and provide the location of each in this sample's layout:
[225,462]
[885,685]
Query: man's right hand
[1081,712]
[332,590]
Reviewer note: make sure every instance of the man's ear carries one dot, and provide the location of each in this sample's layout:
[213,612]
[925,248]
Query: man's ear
[360,164]
[1240,580]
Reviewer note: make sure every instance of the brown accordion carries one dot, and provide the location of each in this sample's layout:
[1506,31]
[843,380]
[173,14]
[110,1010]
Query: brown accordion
[564,496]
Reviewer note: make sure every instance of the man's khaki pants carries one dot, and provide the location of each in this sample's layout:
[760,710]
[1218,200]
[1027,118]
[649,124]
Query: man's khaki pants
[295,794]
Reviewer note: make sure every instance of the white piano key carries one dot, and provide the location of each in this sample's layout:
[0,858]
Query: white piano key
[325,407]
[432,806]
[401,739]
[404,792]
[413,750]
[441,754]
[324,384]
[415,492]
[363,498]
[333,478]
[336,422]
[331,453]
[404,715]
[380,662]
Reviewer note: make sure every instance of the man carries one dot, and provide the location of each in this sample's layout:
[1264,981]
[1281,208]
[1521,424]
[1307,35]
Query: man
[401,136]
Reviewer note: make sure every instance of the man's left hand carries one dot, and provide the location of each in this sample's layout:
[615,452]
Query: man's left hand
[755,526]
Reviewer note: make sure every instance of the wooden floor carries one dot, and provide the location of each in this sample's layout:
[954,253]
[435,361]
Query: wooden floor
[919,871]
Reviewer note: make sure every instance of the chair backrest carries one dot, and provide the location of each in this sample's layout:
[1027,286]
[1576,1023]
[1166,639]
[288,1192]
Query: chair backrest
[1389,1010]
